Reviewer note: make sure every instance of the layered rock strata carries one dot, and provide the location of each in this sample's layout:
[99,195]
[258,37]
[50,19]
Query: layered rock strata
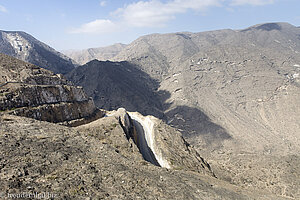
[29,91]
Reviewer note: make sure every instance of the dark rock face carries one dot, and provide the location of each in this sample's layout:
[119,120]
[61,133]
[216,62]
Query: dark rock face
[27,90]
[21,95]
[265,27]
[118,84]
[25,47]
[269,27]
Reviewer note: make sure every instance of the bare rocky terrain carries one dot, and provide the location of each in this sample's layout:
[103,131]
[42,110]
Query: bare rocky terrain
[233,94]
[96,161]
[101,157]
[25,47]
[29,91]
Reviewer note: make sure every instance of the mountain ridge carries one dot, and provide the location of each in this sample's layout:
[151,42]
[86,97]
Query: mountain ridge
[27,48]
[73,53]
[100,53]
[233,94]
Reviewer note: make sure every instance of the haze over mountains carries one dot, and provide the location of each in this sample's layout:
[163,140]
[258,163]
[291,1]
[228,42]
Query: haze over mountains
[233,94]
[102,53]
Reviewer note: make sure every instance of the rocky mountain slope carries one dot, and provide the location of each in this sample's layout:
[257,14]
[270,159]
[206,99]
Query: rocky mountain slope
[25,47]
[98,161]
[118,84]
[234,94]
[102,53]
[104,157]
[30,91]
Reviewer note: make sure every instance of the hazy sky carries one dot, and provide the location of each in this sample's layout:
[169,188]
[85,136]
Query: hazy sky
[77,24]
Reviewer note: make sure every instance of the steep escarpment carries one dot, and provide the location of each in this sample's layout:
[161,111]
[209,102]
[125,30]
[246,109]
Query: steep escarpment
[27,90]
[25,47]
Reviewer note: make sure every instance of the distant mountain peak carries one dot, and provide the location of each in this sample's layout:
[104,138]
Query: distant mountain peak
[101,53]
[23,46]
[269,26]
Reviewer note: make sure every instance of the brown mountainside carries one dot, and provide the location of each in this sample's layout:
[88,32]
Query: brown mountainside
[103,157]
[234,94]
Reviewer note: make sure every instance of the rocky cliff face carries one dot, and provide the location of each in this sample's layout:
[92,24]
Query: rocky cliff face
[25,47]
[27,90]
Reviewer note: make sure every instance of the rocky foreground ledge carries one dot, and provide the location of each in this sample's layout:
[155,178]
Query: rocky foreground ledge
[98,161]
[166,145]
